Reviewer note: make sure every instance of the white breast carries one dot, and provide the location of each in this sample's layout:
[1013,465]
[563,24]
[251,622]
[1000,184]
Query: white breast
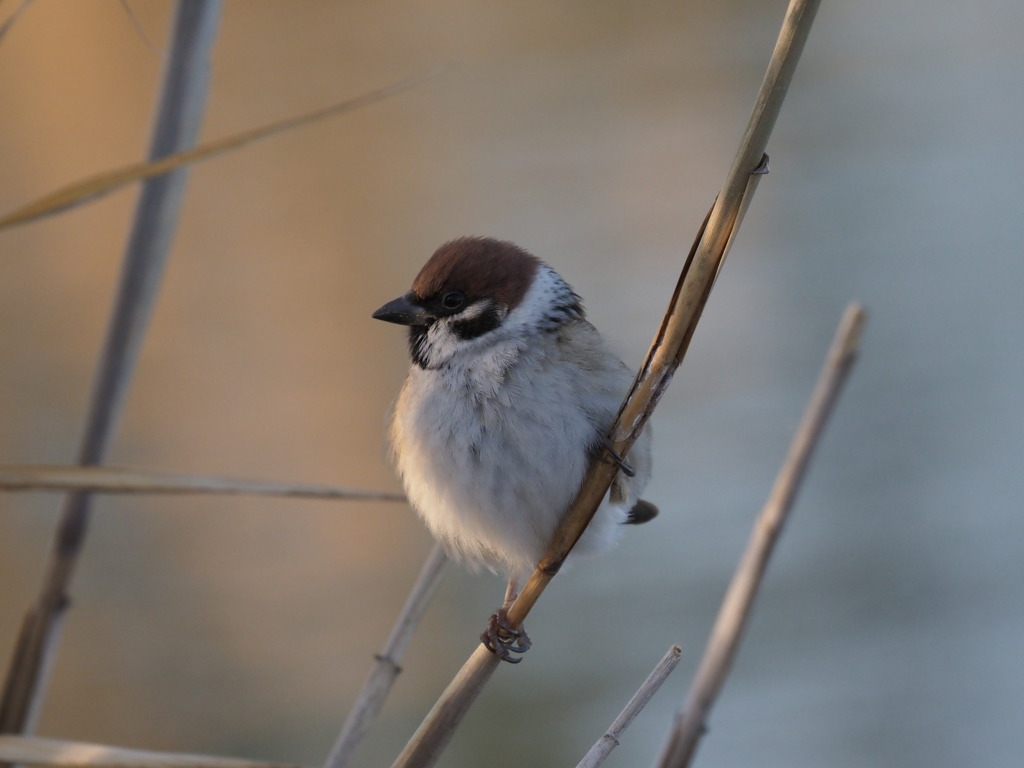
[493,449]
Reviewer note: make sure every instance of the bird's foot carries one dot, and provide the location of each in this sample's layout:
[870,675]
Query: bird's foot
[504,640]
[614,458]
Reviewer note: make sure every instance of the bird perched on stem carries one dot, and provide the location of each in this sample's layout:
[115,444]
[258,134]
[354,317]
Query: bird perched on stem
[510,395]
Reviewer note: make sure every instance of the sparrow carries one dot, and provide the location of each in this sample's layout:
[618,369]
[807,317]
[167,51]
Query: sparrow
[509,397]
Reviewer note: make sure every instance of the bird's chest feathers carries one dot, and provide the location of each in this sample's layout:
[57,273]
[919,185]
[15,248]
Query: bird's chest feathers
[466,403]
[512,406]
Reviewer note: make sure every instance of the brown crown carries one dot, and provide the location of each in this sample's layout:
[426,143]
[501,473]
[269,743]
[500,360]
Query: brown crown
[479,267]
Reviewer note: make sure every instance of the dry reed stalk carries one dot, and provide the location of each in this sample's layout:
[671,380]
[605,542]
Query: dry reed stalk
[59,753]
[388,662]
[94,187]
[177,123]
[21,477]
[689,724]
[9,21]
[610,739]
[666,352]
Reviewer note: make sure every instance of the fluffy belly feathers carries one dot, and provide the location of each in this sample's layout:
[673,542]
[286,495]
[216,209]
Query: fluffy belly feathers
[455,465]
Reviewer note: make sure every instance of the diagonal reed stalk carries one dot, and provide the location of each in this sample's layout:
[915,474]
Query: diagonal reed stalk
[94,187]
[9,21]
[388,662]
[179,115]
[666,352]
[610,739]
[689,725]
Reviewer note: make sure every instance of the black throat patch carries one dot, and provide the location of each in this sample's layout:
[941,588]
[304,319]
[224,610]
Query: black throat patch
[418,345]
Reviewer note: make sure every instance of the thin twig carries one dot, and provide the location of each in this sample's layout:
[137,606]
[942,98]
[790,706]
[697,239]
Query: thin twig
[610,740]
[666,352]
[689,725]
[19,477]
[94,187]
[177,123]
[388,662]
[9,21]
[138,28]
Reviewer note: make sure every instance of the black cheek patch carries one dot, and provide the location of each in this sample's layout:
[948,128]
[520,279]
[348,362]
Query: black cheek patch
[475,327]
[417,344]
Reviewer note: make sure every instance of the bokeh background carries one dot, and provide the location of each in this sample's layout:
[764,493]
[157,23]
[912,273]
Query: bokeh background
[595,134]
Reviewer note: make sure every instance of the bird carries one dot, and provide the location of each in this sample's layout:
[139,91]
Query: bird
[509,397]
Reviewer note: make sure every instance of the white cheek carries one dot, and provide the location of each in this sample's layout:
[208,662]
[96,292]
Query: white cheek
[443,345]
[472,312]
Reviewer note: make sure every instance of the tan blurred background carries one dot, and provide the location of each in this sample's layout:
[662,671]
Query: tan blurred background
[594,134]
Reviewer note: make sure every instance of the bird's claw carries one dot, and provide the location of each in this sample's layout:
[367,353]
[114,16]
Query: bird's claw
[624,466]
[504,640]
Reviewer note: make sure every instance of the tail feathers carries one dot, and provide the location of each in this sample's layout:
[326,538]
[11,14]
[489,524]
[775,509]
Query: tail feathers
[642,512]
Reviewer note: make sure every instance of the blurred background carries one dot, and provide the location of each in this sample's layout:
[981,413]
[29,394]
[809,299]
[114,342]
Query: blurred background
[596,135]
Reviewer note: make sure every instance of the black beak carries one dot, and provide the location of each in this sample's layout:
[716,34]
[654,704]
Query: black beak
[404,312]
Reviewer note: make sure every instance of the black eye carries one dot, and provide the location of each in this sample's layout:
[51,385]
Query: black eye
[453,300]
